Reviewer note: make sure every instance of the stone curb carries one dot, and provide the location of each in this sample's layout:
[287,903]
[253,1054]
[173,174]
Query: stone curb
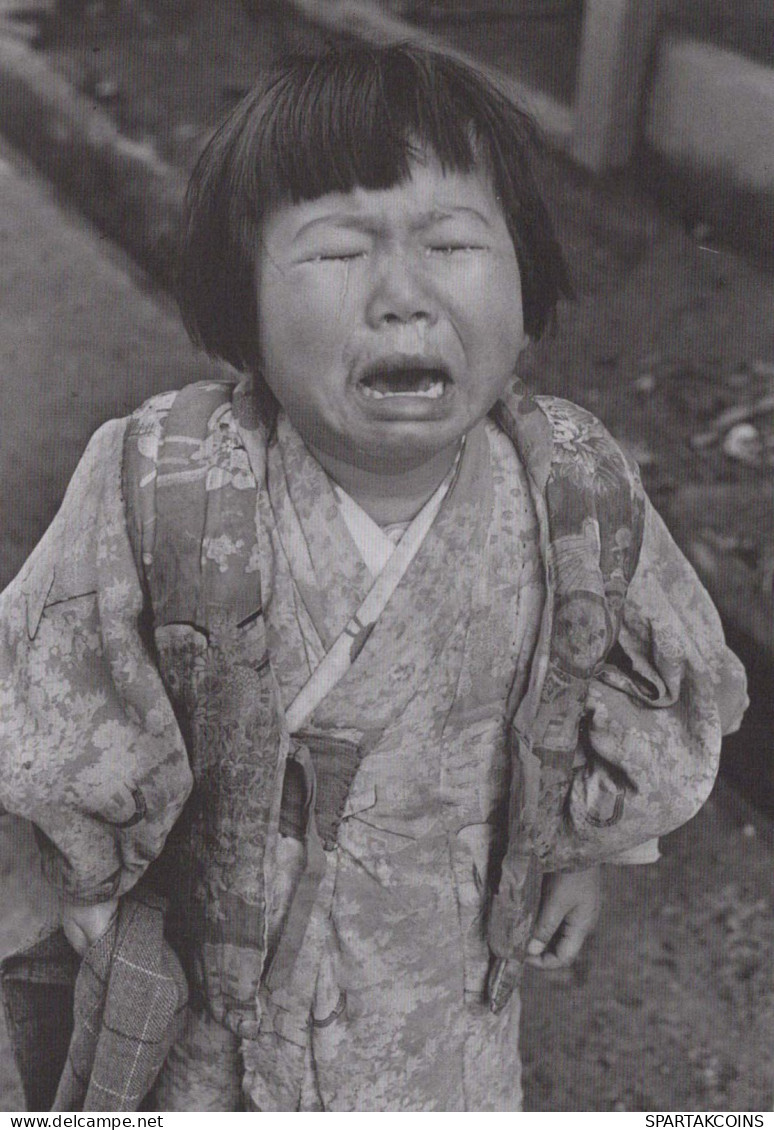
[124,187]
[713,110]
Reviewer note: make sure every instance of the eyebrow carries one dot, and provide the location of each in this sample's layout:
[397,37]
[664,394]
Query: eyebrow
[367,224]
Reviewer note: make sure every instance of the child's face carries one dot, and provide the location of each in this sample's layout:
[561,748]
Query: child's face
[390,320]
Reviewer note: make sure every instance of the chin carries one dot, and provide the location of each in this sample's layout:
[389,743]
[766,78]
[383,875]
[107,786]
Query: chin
[409,445]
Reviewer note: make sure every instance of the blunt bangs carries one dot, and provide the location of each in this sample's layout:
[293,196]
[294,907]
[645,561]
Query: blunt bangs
[355,116]
[359,121]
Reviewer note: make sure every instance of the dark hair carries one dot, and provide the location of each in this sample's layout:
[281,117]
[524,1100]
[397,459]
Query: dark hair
[353,116]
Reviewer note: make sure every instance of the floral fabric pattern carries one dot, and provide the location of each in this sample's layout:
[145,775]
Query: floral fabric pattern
[446,702]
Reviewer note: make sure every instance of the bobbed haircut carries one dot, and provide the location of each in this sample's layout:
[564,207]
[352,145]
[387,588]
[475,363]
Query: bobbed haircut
[352,116]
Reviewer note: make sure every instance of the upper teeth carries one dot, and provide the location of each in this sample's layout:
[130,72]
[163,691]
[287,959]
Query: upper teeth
[432,393]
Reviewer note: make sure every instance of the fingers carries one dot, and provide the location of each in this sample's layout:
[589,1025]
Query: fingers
[84,925]
[568,912]
[75,935]
[547,926]
[557,900]
[562,949]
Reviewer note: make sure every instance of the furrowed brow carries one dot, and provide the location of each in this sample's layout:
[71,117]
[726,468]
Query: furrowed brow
[439,215]
[340,222]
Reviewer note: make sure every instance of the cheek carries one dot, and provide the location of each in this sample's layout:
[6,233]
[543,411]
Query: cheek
[487,297]
[505,299]
[303,342]
[302,314]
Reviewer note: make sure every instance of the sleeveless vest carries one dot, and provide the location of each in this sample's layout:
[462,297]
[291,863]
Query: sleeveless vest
[205,623]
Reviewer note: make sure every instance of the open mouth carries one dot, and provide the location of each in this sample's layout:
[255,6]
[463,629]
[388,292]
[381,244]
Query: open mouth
[391,379]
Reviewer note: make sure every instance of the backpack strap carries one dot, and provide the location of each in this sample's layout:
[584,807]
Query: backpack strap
[590,505]
[177,580]
[171,489]
[191,500]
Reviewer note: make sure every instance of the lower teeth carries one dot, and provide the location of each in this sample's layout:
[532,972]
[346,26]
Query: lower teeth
[434,392]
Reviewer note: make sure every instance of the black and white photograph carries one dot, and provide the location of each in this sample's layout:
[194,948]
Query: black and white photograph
[387,559]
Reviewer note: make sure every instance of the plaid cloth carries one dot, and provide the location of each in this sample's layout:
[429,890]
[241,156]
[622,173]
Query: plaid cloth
[106,1025]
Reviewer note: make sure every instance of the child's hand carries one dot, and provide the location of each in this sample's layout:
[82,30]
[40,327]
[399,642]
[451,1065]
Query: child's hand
[569,909]
[83,925]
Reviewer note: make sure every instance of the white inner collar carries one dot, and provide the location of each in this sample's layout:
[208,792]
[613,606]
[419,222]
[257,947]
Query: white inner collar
[375,544]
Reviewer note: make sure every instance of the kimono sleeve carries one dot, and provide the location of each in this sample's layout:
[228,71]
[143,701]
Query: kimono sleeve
[656,713]
[90,750]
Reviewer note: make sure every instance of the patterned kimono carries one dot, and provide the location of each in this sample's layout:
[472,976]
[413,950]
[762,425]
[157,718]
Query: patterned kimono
[380,1004]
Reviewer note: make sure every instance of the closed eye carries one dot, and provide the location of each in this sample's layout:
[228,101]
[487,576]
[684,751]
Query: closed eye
[336,257]
[447,249]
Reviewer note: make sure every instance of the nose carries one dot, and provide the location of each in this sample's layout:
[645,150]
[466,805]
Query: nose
[399,293]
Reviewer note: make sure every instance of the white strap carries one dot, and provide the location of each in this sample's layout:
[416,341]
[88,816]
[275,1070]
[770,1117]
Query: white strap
[339,659]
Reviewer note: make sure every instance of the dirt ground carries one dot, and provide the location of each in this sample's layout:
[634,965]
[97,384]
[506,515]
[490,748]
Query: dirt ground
[672,1003]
